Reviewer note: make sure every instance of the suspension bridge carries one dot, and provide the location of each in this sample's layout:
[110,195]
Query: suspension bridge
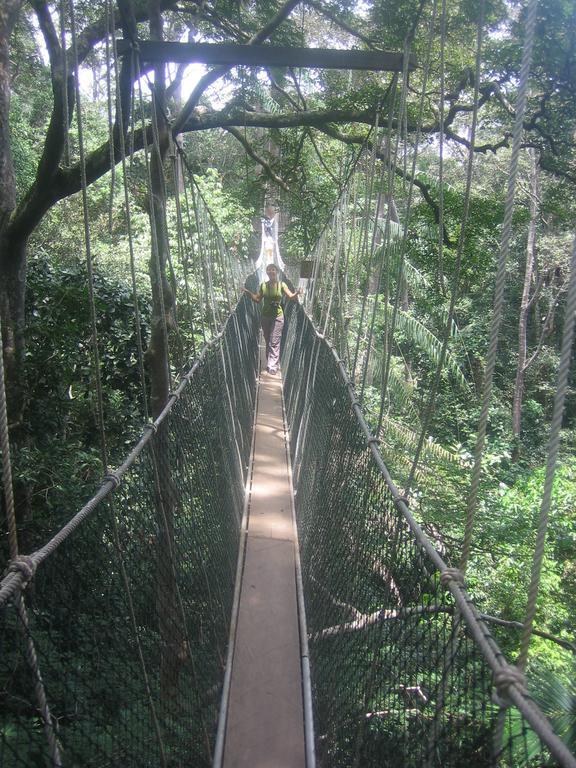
[249,586]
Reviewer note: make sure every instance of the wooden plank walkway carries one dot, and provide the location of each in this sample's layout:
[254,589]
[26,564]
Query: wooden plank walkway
[265,717]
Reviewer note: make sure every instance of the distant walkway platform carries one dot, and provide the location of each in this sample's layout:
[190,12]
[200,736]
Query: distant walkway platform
[265,712]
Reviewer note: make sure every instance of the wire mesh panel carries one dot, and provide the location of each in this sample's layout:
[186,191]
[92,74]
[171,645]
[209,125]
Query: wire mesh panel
[129,616]
[402,676]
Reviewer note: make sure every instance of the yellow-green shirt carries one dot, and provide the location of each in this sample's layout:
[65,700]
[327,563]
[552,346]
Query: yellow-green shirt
[272,298]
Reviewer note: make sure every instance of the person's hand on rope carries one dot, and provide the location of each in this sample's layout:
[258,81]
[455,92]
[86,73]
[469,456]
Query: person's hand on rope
[254,296]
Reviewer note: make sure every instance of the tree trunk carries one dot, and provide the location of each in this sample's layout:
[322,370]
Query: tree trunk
[170,621]
[8,14]
[12,270]
[525,304]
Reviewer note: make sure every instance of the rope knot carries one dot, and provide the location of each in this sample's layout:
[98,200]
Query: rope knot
[503,680]
[373,440]
[175,394]
[113,478]
[452,575]
[22,564]
[152,426]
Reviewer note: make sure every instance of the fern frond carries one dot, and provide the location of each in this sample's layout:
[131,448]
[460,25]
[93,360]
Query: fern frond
[410,439]
[400,389]
[430,345]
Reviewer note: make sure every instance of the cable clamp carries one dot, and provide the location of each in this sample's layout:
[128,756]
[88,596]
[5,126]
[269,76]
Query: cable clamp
[113,478]
[452,575]
[504,679]
[23,564]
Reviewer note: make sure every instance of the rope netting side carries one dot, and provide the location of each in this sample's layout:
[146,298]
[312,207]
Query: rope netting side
[132,670]
[404,672]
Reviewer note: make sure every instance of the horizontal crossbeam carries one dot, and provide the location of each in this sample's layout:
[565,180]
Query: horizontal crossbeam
[230,54]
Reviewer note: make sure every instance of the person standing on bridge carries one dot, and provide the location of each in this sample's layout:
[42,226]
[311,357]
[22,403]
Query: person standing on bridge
[272,318]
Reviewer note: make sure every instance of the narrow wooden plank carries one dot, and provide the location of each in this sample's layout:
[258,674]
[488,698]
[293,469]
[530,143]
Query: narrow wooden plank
[265,718]
[230,54]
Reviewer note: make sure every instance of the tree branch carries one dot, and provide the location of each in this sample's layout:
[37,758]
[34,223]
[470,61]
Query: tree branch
[217,72]
[377,617]
[260,160]
[424,189]
[323,11]
[546,328]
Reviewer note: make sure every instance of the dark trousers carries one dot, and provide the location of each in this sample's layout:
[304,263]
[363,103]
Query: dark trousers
[272,328]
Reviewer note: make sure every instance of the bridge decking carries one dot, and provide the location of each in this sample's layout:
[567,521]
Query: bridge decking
[265,721]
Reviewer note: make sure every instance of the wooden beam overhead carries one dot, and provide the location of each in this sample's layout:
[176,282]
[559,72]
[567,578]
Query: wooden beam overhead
[230,54]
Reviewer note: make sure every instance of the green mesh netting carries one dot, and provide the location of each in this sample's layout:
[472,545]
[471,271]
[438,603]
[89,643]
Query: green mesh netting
[130,614]
[398,679]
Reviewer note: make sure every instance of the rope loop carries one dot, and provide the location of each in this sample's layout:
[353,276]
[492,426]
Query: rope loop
[452,575]
[113,478]
[23,564]
[151,426]
[505,678]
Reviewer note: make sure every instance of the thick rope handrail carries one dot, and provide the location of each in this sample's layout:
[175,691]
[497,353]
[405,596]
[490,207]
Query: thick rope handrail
[453,581]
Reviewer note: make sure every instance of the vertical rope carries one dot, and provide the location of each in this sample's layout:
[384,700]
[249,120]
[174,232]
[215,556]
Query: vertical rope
[363,241]
[461,240]
[108,16]
[203,295]
[390,165]
[182,254]
[65,110]
[441,135]
[154,233]
[6,461]
[390,328]
[127,213]
[87,243]
[500,281]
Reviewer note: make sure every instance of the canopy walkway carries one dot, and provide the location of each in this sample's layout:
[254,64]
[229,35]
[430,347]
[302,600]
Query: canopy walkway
[249,587]
[262,720]
[140,586]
